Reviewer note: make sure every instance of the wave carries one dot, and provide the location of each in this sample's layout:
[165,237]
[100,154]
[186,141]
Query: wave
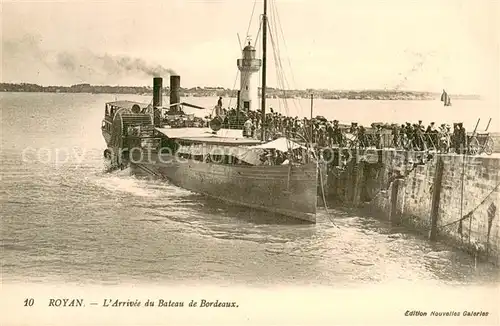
[126,185]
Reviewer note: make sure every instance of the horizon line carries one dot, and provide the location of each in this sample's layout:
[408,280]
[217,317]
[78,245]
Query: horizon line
[267,87]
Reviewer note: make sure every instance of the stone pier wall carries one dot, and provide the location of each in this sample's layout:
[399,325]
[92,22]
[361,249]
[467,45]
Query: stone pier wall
[466,199]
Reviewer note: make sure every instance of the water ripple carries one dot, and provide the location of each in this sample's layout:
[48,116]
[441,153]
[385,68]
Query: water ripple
[72,222]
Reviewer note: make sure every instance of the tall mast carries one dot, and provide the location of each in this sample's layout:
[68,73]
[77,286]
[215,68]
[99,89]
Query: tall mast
[264,50]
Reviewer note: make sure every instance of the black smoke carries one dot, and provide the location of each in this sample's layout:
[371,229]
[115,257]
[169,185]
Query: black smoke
[27,58]
[112,65]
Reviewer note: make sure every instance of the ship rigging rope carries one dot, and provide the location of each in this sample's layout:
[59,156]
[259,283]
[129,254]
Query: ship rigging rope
[278,22]
[469,214]
[324,199]
[281,34]
[283,83]
[251,18]
[234,86]
[258,34]
[323,191]
[280,76]
[280,80]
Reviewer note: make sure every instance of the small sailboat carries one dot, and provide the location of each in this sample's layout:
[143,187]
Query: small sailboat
[445,98]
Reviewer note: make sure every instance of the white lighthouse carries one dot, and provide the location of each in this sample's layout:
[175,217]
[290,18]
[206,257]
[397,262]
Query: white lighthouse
[248,66]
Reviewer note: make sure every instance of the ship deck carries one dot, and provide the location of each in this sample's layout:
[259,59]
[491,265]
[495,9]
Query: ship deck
[126,104]
[206,135]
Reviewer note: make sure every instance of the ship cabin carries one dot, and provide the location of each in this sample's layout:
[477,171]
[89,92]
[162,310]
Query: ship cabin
[219,150]
[228,147]
[130,107]
[127,124]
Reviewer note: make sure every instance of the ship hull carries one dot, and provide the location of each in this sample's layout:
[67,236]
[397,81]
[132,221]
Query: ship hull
[283,189]
[107,136]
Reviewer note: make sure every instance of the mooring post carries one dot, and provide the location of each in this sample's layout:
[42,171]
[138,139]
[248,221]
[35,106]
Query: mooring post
[394,216]
[436,195]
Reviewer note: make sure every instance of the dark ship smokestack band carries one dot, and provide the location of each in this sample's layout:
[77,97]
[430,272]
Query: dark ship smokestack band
[175,87]
[157,91]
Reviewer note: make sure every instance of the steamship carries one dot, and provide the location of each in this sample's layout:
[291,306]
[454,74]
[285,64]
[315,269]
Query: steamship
[218,162]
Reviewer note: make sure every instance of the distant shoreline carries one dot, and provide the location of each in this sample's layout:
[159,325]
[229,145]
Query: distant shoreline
[220,91]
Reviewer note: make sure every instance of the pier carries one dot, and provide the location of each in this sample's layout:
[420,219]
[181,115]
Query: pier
[448,197]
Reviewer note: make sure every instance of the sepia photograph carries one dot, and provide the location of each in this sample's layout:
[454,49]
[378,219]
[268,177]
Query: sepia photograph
[250,162]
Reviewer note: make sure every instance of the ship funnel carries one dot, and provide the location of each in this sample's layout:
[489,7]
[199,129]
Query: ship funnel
[157,90]
[175,87]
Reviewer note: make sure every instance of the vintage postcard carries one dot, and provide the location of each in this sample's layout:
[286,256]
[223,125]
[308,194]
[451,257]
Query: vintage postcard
[250,162]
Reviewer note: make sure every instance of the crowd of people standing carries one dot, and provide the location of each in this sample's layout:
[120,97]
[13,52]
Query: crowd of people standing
[325,133]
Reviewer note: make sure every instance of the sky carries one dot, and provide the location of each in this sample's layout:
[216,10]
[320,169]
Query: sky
[422,45]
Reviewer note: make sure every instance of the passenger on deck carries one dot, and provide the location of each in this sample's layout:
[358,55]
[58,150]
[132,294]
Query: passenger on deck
[331,133]
[361,134]
[247,128]
[218,107]
[267,158]
[253,128]
[420,125]
[403,140]
[286,158]
[354,128]
[338,135]
[415,136]
[444,141]
[396,133]
[462,138]
[378,137]
[454,137]
[432,136]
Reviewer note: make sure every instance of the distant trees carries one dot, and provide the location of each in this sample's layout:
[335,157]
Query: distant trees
[226,92]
